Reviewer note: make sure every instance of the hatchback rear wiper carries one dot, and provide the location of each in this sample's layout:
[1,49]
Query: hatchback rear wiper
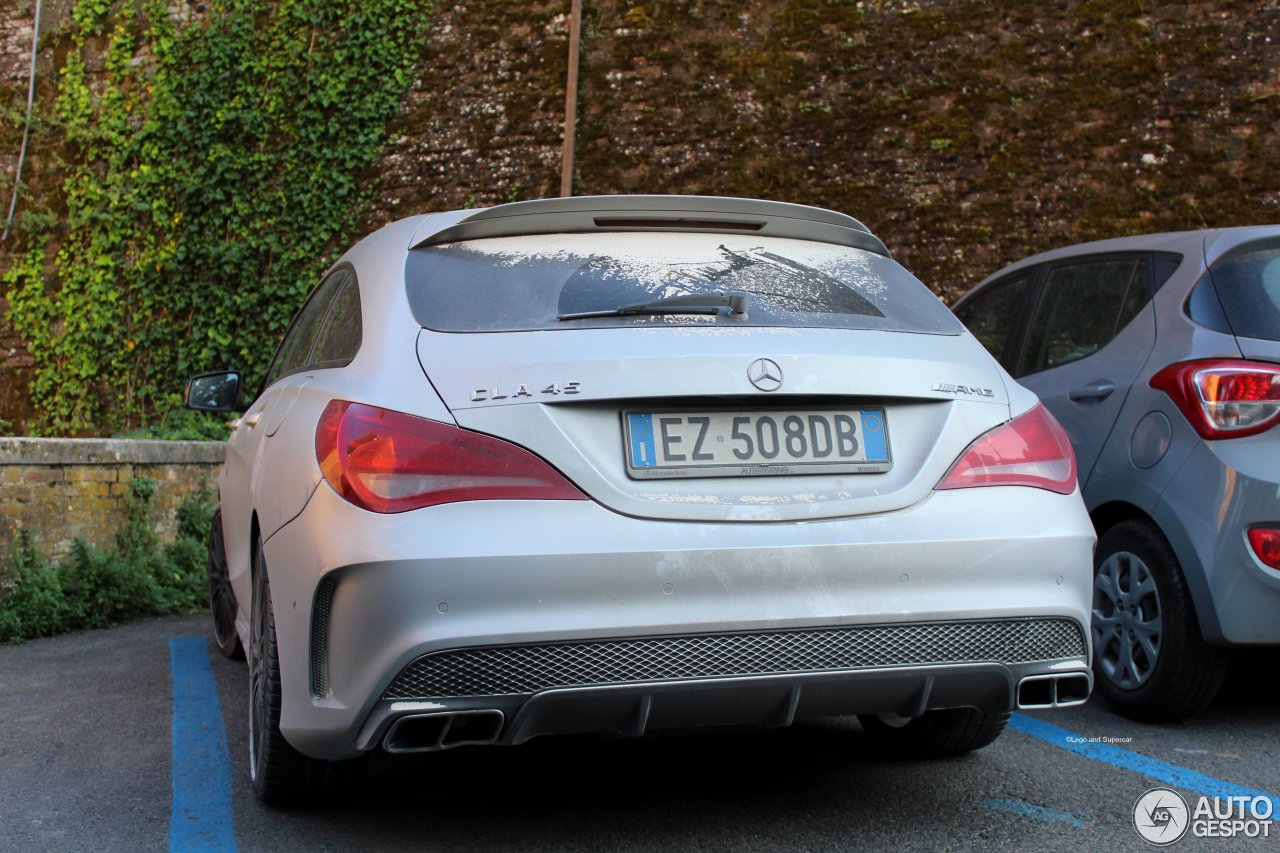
[694,303]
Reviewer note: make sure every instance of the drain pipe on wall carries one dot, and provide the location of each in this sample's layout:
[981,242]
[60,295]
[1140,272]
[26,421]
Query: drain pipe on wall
[26,131]
[571,100]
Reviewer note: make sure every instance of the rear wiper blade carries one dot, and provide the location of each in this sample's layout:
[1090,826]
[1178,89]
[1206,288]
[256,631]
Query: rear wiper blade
[694,303]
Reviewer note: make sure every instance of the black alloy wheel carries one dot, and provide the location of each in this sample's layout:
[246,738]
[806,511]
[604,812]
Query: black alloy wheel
[222,598]
[281,775]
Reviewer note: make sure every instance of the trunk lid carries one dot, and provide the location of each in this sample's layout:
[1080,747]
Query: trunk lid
[563,394]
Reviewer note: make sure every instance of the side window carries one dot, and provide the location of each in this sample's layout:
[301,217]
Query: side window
[292,355]
[1137,297]
[339,337]
[1204,307]
[992,316]
[1082,308]
[1164,265]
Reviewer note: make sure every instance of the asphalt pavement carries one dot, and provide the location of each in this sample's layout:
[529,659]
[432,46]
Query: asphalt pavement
[96,755]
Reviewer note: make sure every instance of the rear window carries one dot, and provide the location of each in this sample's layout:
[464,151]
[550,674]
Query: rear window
[1248,286]
[526,283]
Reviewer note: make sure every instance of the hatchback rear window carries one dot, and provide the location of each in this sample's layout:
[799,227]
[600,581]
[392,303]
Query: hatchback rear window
[528,283]
[1249,287]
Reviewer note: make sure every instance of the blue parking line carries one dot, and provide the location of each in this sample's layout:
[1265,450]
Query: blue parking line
[1153,768]
[201,818]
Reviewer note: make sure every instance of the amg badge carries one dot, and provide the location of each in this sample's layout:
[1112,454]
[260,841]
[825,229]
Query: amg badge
[948,388]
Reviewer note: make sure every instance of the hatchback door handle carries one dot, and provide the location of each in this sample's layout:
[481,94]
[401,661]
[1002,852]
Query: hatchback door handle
[1096,391]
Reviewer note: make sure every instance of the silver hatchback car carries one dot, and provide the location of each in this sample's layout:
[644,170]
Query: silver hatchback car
[632,464]
[1160,355]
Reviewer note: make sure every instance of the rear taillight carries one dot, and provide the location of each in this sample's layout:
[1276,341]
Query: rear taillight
[1265,542]
[1030,450]
[1224,397]
[387,461]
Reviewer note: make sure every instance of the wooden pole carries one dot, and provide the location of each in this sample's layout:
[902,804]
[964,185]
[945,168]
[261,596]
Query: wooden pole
[571,99]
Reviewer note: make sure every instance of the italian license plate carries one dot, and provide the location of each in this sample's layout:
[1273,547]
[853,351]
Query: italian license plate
[756,443]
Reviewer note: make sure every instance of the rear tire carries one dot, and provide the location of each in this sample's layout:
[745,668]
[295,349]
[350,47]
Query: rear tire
[222,598]
[281,775]
[936,734]
[1149,658]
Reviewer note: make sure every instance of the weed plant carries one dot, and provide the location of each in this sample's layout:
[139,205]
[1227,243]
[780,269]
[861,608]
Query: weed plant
[97,587]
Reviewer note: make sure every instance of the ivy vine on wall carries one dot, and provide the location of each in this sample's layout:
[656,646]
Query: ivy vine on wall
[209,174]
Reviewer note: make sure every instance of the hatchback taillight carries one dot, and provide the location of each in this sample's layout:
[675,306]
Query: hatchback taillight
[1265,542]
[1030,450]
[387,461]
[1224,397]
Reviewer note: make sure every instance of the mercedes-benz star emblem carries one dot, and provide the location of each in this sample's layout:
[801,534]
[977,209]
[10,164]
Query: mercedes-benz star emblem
[765,374]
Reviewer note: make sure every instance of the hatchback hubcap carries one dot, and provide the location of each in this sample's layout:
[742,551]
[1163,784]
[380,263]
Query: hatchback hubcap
[1127,623]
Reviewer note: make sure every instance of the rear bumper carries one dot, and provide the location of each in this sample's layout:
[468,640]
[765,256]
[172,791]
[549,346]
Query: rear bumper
[520,574]
[630,687]
[632,710]
[1230,487]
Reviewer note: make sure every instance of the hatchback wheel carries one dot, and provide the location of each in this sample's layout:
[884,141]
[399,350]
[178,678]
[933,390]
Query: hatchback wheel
[1149,659]
[935,734]
[222,598]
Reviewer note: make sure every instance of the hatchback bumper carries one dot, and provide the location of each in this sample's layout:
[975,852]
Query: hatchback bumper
[1232,486]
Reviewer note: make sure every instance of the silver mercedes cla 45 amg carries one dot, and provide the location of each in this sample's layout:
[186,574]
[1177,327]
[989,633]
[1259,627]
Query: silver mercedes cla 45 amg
[635,463]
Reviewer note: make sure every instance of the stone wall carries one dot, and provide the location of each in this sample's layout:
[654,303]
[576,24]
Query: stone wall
[966,133]
[64,489]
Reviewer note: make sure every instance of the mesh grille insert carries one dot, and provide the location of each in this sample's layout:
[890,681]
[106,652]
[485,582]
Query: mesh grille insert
[518,670]
[320,637]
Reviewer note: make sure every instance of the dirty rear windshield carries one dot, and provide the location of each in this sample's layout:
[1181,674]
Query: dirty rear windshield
[527,283]
[1249,287]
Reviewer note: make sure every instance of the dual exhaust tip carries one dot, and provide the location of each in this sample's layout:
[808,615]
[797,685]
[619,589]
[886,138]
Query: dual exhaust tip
[1053,691]
[434,732]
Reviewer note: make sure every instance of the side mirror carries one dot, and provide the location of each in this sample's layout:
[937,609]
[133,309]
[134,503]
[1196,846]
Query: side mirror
[213,392]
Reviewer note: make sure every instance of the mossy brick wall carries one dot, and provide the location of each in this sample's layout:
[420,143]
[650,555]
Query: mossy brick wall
[63,489]
[966,133]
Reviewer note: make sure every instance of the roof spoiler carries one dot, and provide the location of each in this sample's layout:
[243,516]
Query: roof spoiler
[586,214]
